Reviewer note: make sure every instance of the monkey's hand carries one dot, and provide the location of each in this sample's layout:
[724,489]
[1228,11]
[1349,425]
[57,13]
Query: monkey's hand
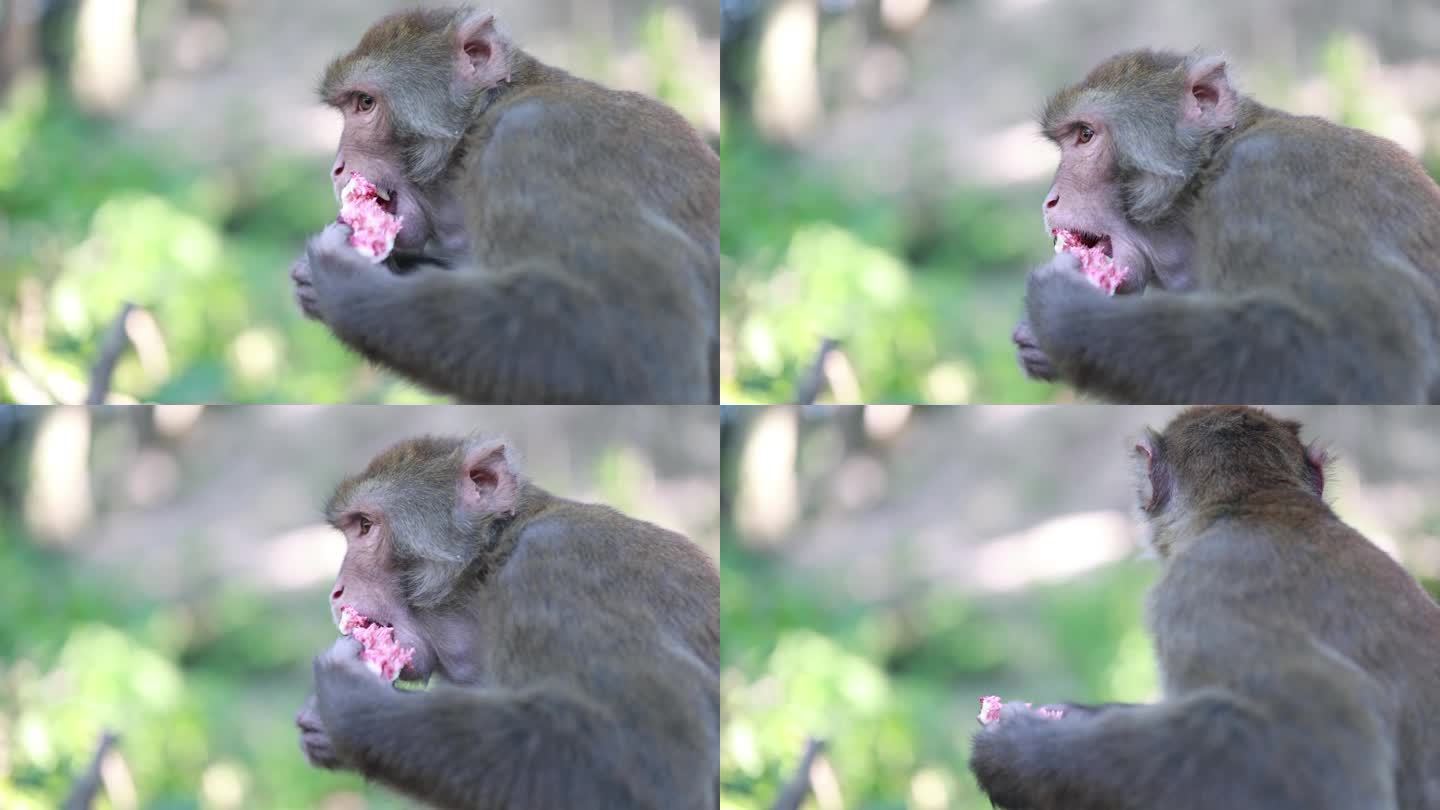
[337,273]
[304,288]
[345,689]
[314,739]
[1033,360]
[1007,756]
[1054,292]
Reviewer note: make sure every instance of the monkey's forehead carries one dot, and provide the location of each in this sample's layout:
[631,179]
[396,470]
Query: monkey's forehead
[396,494]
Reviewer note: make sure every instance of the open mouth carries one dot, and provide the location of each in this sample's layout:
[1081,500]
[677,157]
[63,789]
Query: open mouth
[1066,239]
[380,650]
[1096,253]
[387,200]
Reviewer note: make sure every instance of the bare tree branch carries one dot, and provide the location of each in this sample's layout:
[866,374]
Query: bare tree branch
[799,785]
[88,787]
[814,380]
[111,348]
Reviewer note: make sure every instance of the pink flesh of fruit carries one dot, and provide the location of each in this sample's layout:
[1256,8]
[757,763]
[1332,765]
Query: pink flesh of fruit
[1100,269]
[990,706]
[373,229]
[381,654]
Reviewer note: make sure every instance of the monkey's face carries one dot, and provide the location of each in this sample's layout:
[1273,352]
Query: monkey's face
[409,93]
[370,585]
[1086,200]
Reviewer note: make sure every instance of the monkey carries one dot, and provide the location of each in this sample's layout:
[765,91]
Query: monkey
[575,649]
[559,240]
[1300,664]
[1269,257]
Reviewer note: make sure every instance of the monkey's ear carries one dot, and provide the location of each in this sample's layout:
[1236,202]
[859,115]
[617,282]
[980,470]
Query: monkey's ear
[489,482]
[1152,477]
[1210,101]
[484,51]
[1316,458]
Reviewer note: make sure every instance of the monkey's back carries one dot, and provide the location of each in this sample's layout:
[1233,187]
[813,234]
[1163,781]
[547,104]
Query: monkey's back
[1348,639]
[1269,181]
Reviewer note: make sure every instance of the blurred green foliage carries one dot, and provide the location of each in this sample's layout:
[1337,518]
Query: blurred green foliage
[894,687]
[90,218]
[200,691]
[922,293]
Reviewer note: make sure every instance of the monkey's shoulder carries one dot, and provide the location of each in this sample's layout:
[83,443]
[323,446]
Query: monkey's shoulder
[600,534]
[1314,147]
[584,118]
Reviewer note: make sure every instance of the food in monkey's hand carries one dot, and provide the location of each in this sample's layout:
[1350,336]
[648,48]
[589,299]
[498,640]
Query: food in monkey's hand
[990,706]
[381,654]
[1095,259]
[373,229]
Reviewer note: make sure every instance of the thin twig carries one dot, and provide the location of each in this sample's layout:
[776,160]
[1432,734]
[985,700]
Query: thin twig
[799,785]
[88,787]
[110,350]
[814,380]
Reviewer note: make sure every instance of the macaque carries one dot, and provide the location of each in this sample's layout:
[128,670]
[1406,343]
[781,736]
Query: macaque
[576,649]
[1262,256]
[1300,664]
[558,243]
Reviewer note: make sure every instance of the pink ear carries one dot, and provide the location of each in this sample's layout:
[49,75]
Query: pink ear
[1316,458]
[484,51]
[1209,100]
[1157,477]
[489,484]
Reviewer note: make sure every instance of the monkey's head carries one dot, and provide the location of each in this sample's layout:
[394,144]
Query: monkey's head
[1132,135]
[409,92]
[419,523]
[1212,459]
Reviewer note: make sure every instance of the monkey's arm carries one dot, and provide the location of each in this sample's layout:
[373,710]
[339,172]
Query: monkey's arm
[1209,348]
[1198,751]
[526,333]
[542,746]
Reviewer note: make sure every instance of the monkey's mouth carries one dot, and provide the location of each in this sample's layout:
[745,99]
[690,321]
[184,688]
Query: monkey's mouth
[389,201]
[1075,241]
[1096,253]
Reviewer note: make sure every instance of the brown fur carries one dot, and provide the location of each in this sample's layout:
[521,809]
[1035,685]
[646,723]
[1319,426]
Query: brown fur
[1283,258]
[1300,663]
[561,239]
[578,648]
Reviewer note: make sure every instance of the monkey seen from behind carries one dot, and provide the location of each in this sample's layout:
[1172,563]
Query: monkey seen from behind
[1300,664]
[576,649]
[558,241]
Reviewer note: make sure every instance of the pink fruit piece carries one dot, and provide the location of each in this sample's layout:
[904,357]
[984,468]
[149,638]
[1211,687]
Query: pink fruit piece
[381,653]
[990,706]
[373,229]
[989,709]
[1095,259]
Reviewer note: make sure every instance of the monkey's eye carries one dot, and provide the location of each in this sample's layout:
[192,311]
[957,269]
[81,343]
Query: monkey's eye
[364,102]
[365,525]
[1084,135]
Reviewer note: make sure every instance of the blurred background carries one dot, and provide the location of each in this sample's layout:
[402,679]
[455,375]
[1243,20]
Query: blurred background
[883,173]
[171,154]
[167,572]
[883,567]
